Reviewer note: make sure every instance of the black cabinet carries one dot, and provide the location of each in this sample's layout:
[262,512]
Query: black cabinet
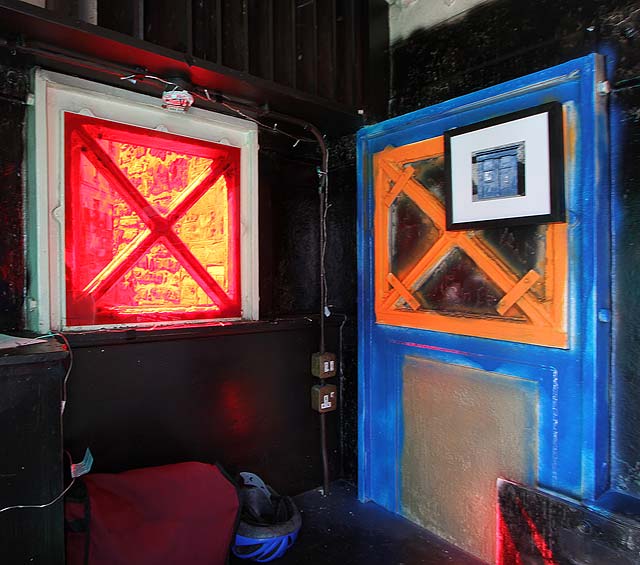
[31,471]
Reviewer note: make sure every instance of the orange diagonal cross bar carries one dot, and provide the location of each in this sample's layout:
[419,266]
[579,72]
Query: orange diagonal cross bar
[403,291]
[504,280]
[517,292]
[399,182]
[428,203]
[434,209]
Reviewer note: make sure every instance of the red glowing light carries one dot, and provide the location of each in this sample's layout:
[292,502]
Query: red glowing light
[538,538]
[507,553]
[151,225]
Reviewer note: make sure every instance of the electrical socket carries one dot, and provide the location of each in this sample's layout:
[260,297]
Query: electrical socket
[324,398]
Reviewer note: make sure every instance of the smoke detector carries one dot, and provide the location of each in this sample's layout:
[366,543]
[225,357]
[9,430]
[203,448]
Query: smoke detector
[176,99]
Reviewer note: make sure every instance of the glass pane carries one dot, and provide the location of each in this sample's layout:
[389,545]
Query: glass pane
[411,235]
[108,224]
[430,174]
[458,286]
[156,286]
[521,248]
[161,245]
[205,230]
[152,171]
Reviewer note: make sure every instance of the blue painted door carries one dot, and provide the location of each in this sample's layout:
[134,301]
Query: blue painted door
[564,389]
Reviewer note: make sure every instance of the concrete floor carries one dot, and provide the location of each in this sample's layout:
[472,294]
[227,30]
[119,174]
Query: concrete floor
[339,530]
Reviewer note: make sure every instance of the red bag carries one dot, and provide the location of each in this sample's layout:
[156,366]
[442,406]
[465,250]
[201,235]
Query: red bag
[175,514]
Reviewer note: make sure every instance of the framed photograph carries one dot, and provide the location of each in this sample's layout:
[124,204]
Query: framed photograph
[506,171]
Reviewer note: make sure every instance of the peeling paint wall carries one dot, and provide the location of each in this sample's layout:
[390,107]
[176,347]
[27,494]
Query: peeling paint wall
[625,464]
[39,3]
[14,84]
[405,16]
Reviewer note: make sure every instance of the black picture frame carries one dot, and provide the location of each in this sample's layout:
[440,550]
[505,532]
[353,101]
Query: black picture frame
[469,194]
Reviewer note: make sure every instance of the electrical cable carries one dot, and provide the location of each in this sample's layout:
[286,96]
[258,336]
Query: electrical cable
[133,78]
[73,59]
[274,128]
[324,205]
[341,390]
[323,273]
[323,199]
[66,377]
[222,101]
[325,455]
[52,502]
[12,100]
[63,404]
[626,84]
[69,367]
[324,309]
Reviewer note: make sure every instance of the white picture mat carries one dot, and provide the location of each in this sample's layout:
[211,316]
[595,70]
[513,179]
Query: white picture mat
[534,131]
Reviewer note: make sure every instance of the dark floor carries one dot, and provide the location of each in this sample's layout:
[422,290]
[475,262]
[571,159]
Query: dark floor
[339,530]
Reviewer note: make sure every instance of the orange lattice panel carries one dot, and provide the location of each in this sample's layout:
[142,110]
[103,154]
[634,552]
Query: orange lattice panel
[459,281]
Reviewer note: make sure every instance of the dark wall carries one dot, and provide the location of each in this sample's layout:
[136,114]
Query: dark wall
[242,398]
[289,234]
[289,263]
[505,39]
[14,85]
[626,460]
[342,286]
[314,46]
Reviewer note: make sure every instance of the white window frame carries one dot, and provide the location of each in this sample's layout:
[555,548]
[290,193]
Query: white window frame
[56,94]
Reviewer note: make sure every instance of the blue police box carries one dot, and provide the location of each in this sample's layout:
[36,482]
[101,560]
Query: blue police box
[497,173]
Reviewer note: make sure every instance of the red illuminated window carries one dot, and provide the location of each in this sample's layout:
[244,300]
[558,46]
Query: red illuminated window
[152,225]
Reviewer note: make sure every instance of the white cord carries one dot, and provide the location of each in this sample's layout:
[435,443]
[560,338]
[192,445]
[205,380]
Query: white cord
[65,491]
[66,377]
[273,128]
[327,205]
[297,139]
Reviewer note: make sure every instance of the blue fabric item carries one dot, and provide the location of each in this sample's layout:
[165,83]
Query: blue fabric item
[268,549]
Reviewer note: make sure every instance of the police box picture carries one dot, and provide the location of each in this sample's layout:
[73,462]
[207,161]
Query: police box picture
[498,172]
[507,170]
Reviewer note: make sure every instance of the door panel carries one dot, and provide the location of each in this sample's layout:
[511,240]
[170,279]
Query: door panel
[483,353]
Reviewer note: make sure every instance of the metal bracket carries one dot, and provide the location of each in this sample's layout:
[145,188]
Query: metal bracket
[603,88]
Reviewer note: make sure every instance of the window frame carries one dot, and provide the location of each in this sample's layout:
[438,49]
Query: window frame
[56,94]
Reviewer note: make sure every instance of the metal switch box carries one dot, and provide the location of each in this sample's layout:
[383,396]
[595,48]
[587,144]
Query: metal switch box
[323,365]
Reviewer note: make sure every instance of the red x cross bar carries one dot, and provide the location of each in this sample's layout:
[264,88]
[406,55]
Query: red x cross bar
[159,226]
